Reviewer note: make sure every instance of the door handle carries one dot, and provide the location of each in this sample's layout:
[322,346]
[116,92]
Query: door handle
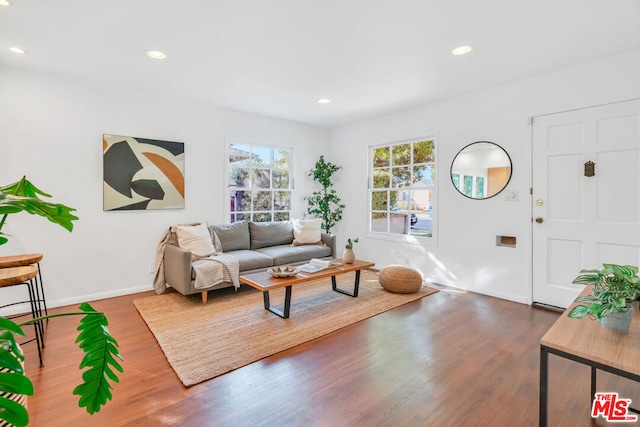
[539,220]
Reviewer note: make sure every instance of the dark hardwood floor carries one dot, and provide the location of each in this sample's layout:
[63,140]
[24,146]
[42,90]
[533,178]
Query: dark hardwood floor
[450,359]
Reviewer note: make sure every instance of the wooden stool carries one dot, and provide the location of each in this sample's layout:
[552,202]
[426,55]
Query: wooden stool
[23,261]
[25,276]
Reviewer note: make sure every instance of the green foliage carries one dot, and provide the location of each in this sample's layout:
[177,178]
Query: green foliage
[23,196]
[325,203]
[614,287]
[350,243]
[101,352]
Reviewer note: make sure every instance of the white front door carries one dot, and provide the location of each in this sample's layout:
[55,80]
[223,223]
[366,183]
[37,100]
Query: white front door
[581,221]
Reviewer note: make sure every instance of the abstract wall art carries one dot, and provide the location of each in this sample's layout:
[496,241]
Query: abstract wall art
[142,174]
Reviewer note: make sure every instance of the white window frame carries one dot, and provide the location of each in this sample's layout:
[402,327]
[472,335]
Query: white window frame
[404,238]
[229,187]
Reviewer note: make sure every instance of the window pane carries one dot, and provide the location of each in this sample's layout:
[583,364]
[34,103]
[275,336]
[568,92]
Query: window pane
[379,222]
[262,217]
[467,185]
[239,177]
[282,200]
[261,156]
[456,180]
[281,159]
[381,178]
[399,222]
[423,152]
[423,176]
[280,178]
[480,193]
[240,201]
[239,155]
[261,178]
[262,201]
[379,201]
[401,154]
[240,217]
[401,177]
[422,219]
[399,200]
[381,156]
[281,216]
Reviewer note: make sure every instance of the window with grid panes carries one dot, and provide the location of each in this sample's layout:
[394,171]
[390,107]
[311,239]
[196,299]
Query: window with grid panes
[259,183]
[402,187]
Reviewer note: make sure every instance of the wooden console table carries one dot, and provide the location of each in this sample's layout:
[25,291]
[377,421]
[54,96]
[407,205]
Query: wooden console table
[585,341]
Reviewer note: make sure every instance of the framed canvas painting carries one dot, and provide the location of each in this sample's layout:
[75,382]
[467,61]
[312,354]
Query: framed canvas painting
[142,174]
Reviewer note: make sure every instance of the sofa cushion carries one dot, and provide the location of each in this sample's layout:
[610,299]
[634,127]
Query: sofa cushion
[287,254]
[196,239]
[307,231]
[265,234]
[251,260]
[234,236]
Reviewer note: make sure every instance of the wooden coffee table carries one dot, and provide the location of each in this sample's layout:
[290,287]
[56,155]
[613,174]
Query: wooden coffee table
[264,282]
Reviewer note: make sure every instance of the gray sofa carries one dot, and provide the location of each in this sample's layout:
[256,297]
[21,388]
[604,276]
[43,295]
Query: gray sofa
[256,245]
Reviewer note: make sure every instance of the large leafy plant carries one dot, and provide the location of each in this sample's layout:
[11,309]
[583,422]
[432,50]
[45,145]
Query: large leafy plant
[23,196]
[614,288]
[325,202]
[100,357]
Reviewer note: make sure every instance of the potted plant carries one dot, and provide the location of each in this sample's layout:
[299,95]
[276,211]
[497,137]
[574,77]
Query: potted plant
[615,287]
[100,348]
[348,256]
[325,203]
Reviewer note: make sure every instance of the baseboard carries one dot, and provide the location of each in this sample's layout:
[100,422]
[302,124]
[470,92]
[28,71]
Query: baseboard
[24,308]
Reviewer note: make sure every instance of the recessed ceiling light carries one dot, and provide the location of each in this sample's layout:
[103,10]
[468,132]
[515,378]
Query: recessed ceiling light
[323,101]
[17,50]
[462,50]
[155,54]
[5,3]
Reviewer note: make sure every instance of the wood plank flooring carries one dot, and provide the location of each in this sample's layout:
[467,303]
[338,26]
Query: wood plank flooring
[451,359]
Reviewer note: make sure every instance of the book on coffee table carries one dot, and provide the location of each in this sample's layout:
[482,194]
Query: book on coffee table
[314,265]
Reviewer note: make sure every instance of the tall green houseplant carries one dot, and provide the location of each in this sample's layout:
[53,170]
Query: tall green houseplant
[325,202]
[100,348]
[22,196]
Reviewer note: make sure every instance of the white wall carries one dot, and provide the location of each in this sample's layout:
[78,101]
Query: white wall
[466,255]
[51,130]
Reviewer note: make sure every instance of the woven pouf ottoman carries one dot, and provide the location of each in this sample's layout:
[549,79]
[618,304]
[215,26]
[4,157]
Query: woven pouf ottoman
[400,279]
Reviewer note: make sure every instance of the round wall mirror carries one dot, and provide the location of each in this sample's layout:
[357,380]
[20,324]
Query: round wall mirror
[481,170]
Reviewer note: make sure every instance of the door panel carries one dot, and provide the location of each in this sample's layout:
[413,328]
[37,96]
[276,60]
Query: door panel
[584,221]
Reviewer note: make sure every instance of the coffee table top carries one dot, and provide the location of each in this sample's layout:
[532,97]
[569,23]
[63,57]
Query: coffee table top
[265,281]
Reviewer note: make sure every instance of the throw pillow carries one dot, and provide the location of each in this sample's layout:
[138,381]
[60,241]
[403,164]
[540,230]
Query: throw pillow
[196,239]
[265,234]
[307,231]
[234,236]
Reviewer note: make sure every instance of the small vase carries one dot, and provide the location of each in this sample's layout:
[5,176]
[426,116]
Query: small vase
[348,256]
[618,322]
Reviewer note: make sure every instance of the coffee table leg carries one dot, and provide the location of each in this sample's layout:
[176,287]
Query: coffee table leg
[287,303]
[356,285]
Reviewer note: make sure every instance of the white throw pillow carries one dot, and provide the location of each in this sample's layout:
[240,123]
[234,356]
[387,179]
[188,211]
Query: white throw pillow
[307,231]
[196,239]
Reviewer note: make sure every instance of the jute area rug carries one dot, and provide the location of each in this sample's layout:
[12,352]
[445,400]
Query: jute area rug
[202,341]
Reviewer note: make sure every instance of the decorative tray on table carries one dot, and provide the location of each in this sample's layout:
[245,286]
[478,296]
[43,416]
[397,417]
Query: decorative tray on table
[283,271]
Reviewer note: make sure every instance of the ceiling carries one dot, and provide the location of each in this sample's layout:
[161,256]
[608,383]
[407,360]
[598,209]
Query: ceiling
[278,57]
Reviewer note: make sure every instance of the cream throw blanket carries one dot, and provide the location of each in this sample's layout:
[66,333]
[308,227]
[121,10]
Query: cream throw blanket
[209,271]
[215,269]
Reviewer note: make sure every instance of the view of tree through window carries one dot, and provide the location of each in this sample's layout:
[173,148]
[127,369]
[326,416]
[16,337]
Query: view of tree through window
[402,188]
[259,183]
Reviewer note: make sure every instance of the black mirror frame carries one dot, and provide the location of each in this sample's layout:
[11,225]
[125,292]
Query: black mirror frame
[479,142]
